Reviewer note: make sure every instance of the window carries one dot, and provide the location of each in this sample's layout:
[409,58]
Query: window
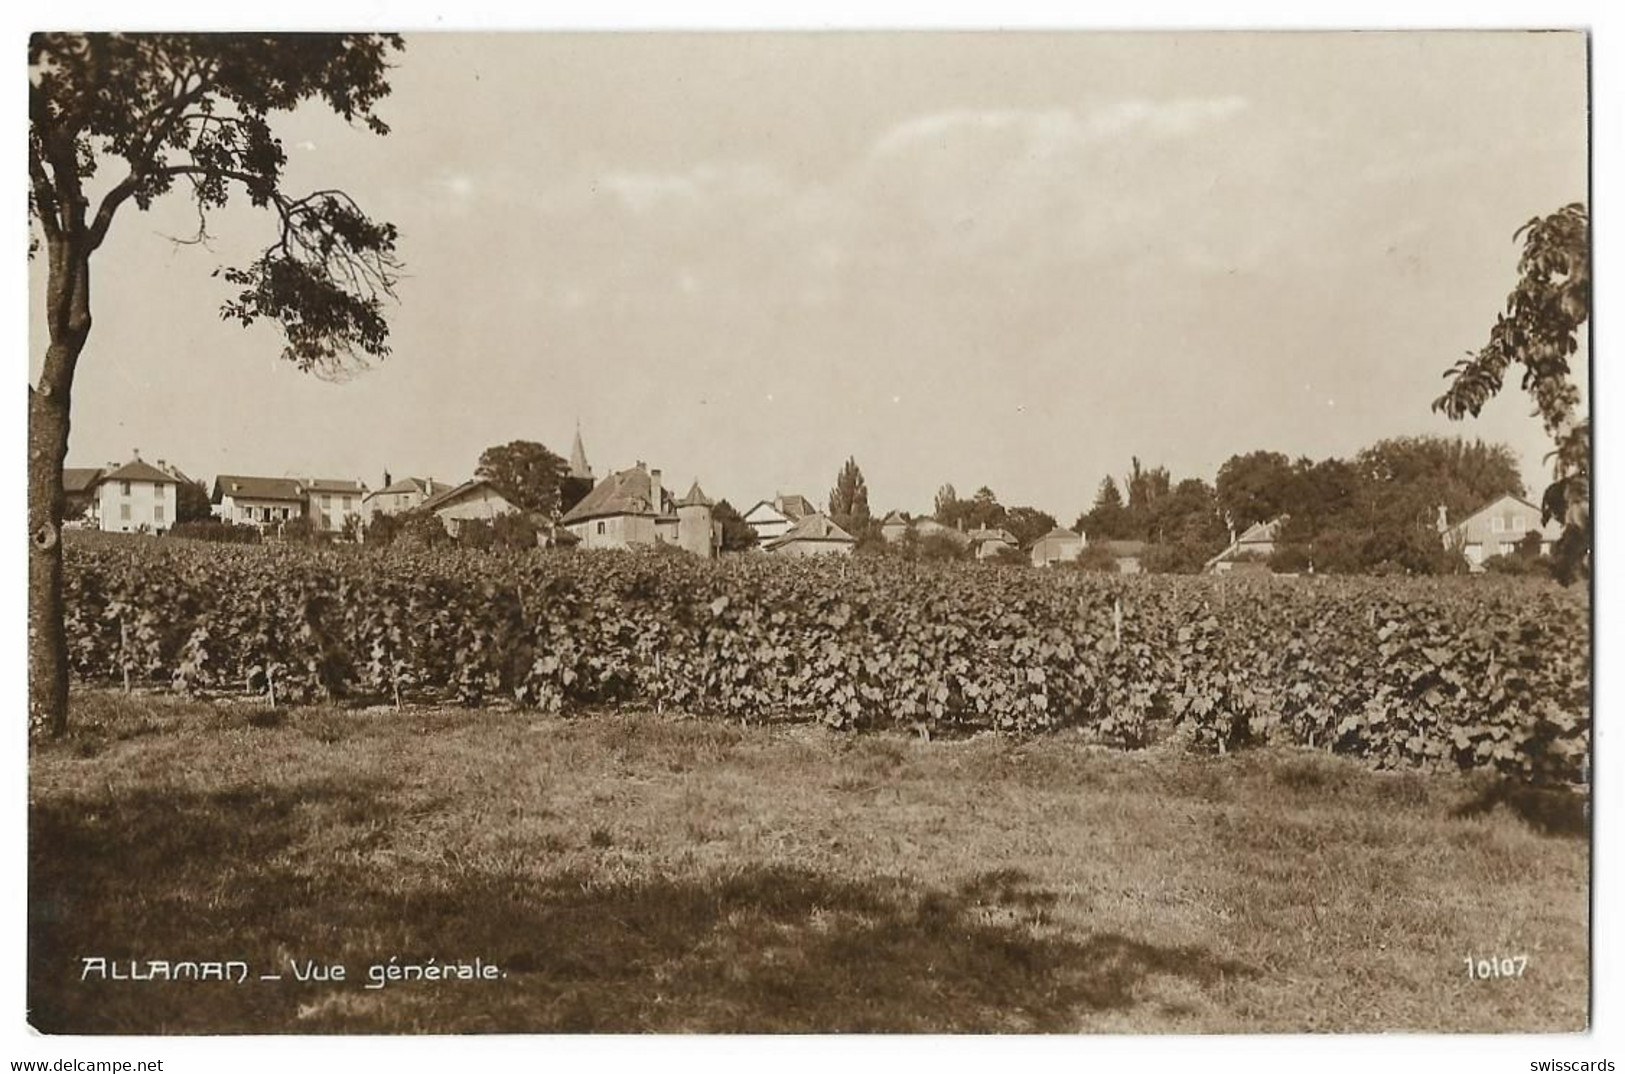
[158,513]
[327,500]
[1519,524]
[600,529]
[284,513]
[124,512]
[246,513]
[124,488]
[1498,524]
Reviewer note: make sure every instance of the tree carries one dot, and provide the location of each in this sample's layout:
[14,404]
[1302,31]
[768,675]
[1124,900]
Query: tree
[525,472]
[1405,480]
[572,490]
[849,500]
[1107,519]
[1540,331]
[1028,524]
[1253,488]
[984,512]
[737,534]
[193,108]
[943,507]
[192,502]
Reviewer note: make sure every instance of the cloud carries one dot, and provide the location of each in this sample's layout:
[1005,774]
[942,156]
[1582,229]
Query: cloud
[1048,131]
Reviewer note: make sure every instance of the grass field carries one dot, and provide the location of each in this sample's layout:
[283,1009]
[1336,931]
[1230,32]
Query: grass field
[631,873]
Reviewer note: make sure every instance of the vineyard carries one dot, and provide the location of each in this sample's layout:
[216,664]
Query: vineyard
[1446,673]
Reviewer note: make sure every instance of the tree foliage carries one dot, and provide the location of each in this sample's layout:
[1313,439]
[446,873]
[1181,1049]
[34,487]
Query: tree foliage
[525,472]
[849,500]
[192,110]
[737,534]
[1253,488]
[192,502]
[1539,330]
[195,109]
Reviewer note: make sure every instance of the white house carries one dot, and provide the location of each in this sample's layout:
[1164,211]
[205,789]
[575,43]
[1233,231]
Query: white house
[329,501]
[772,519]
[476,499]
[257,501]
[1496,528]
[137,497]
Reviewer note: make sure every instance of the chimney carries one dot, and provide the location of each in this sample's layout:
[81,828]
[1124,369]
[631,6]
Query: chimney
[387,481]
[1444,518]
[654,490]
[137,452]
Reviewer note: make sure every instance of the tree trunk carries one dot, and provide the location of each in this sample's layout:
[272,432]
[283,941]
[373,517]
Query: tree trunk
[47,640]
[67,299]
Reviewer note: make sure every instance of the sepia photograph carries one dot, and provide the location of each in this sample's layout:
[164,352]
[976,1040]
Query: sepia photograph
[1046,532]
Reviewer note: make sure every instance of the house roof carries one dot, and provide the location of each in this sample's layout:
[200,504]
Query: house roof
[894,518]
[332,484]
[999,534]
[925,527]
[1553,527]
[696,498]
[80,478]
[425,486]
[449,495]
[772,514]
[794,507]
[136,470]
[257,488]
[1061,534]
[1261,531]
[627,492]
[813,528]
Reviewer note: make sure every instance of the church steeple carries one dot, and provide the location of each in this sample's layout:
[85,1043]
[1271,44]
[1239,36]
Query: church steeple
[578,458]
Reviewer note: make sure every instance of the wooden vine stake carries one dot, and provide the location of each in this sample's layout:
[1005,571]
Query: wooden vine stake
[1117,619]
[124,653]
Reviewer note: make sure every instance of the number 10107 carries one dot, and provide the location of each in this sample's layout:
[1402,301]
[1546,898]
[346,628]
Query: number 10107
[1485,969]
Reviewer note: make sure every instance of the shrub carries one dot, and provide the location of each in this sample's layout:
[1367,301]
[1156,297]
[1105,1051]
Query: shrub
[213,529]
[514,531]
[1290,559]
[302,530]
[1177,557]
[940,547]
[1096,558]
[382,530]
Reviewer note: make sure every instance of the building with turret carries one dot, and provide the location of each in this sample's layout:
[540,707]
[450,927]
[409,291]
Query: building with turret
[633,508]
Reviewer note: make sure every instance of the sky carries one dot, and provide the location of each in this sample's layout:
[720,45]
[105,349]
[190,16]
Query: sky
[1012,260]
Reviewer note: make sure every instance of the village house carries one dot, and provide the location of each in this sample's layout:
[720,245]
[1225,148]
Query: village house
[475,499]
[329,501]
[396,497]
[268,502]
[1495,530]
[772,519]
[137,497]
[812,535]
[80,502]
[632,508]
[893,527]
[986,543]
[1256,544]
[1057,546]
[257,501]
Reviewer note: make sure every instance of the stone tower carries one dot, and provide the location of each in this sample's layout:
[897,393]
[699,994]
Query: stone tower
[578,458]
[696,531]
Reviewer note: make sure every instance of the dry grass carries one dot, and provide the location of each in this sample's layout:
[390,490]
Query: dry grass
[637,874]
